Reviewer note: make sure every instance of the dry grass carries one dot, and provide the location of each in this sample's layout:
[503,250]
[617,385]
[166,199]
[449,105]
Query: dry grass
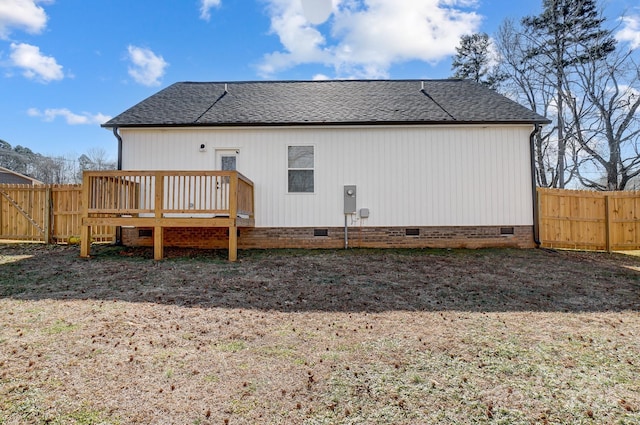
[318,337]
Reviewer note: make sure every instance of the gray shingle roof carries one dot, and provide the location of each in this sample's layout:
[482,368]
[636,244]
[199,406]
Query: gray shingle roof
[324,102]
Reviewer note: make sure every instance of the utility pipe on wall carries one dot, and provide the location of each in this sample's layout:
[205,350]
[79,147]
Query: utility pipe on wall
[349,192]
[346,233]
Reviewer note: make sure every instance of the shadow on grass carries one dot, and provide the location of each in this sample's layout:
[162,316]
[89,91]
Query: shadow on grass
[358,280]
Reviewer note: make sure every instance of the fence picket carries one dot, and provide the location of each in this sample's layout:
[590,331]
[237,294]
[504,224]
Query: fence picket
[45,213]
[600,221]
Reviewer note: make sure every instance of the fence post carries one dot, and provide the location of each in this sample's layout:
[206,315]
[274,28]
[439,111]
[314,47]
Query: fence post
[85,229]
[608,221]
[537,221]
[48,214]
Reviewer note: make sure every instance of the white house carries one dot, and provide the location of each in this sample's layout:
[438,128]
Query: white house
[438,163]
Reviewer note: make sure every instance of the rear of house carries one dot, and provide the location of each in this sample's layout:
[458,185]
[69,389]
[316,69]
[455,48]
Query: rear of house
[442,163]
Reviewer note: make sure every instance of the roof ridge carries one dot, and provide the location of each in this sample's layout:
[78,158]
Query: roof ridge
[405,80]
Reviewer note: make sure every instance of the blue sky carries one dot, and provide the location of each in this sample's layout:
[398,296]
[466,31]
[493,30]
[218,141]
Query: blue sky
[66,66]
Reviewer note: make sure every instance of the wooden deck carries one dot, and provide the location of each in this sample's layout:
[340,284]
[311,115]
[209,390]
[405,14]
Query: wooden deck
[161,199]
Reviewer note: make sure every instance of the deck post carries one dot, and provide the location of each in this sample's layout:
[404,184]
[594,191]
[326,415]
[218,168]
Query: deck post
[233,243]
[158,240]
[233,215]
[85,243]
[85,229]
[158,243]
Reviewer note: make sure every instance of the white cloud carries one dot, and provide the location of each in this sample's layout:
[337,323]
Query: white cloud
[22,14]
[630,31]
[366,37]
[317,11]
[146,68]
[85,118]
[301,41]
[206,6]
[34,64]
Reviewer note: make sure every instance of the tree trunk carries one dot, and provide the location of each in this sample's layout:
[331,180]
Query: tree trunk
[542,172]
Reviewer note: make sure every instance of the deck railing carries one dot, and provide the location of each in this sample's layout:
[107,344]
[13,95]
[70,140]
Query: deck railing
[166,193]
[168,199]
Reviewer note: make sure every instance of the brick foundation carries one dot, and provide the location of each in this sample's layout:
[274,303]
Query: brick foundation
[359,237]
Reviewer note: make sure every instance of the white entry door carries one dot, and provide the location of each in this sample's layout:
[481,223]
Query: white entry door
[226,160]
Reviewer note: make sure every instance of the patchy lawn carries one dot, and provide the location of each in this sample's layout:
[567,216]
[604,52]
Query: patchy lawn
[318,337]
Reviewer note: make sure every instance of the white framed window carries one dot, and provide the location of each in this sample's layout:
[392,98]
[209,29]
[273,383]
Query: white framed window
[300,167]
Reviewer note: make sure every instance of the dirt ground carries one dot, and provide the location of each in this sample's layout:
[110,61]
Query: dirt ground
[318,337]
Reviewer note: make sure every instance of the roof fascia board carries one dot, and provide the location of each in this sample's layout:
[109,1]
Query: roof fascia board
[333,124]
[351,127]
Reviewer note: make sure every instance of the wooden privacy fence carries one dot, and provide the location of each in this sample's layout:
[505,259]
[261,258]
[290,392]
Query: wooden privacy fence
[606,221]
[45,213]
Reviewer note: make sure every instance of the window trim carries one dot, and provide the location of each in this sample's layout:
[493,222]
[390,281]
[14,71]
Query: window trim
[312,169]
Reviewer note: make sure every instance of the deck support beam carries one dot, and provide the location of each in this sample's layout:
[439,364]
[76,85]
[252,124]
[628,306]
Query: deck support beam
[85,242]
[233,243]
[158,243]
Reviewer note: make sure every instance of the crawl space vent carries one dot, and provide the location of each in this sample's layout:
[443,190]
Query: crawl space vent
[145,233]
[506,231]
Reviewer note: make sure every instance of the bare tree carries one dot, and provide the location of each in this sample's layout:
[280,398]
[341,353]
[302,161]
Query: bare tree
[567,32]
[607,125]
[53,169]
[48,169]
[526,82]
[99,159]
[95,159]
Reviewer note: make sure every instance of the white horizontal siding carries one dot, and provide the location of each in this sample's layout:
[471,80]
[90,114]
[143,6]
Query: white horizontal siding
[416,176]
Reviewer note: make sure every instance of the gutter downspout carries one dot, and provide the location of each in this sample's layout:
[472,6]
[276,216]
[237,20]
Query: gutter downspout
[534,193]
[115,133]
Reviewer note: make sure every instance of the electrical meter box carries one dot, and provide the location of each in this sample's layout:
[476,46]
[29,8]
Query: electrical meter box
[349,199]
